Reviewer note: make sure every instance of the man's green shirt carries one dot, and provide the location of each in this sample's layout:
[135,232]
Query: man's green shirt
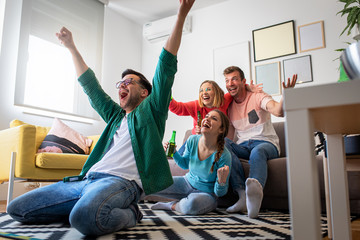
[146,125]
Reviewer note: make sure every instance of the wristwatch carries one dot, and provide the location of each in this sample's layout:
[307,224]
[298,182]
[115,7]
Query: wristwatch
[222,184]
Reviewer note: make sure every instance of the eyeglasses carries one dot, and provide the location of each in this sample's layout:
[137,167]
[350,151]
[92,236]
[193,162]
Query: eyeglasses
[127,82]
[205,90]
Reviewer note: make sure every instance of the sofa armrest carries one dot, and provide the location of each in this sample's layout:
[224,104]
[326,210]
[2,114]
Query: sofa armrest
[22,140]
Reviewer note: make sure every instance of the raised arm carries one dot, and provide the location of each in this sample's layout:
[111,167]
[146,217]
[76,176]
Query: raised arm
[66,39]
[173,43]
[276,108]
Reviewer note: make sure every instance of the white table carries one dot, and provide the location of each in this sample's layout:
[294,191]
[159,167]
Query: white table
[335,110]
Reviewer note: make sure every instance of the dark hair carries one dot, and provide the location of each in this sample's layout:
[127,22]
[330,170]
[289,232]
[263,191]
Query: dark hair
[232,69]
[218,97]
[221,137]
[143,81]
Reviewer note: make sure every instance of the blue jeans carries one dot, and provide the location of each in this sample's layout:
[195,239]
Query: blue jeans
[192,201]
[258,152]
[97,205]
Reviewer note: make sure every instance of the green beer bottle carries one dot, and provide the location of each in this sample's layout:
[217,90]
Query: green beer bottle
[171,147]
[199,118]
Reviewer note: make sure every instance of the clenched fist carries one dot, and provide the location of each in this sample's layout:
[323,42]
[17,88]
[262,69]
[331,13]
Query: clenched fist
[222,174]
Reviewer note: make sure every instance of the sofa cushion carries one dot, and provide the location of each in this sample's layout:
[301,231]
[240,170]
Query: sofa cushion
[63,139]
[60,160]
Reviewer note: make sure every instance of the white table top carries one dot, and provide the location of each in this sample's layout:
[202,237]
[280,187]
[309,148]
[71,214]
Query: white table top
[335,107]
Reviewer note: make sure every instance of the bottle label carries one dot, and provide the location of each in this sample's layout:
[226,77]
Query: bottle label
[170,150]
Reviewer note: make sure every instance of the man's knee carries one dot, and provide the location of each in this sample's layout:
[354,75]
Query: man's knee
[15,212]
[81,220]
[228,143]
[262,153]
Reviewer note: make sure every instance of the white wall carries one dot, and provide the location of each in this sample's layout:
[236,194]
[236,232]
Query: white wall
[232,22]
[122,49]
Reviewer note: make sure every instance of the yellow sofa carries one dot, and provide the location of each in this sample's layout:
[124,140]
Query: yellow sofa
[25,139]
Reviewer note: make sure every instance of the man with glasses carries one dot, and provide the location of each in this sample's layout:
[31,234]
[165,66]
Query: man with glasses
[127,162]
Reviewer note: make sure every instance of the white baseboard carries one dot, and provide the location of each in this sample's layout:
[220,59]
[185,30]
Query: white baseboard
[19,189]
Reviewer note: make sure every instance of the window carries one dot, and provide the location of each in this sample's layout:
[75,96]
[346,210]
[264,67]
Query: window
[46,78]
[41,52]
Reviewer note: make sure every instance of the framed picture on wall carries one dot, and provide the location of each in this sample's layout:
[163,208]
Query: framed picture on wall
[300,66]
[311,36]
[274,41]
[237,54]
[269,75]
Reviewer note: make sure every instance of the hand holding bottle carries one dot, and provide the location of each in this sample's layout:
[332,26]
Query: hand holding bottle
[171,145]
[197,129]
[198,125]
[166,145]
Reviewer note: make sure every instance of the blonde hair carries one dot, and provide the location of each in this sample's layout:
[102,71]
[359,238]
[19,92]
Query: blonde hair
[218,97]
[221,137]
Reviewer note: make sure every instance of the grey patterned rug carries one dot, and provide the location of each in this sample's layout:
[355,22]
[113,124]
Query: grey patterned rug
[168,225]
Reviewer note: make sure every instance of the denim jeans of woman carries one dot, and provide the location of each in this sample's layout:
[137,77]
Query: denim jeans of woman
[258,152]
[97,205]
[192,201]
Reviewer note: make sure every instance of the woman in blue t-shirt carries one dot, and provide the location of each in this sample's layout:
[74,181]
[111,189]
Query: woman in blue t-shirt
[209,164]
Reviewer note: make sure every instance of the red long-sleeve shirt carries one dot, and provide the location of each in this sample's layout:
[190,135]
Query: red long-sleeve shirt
[191,108]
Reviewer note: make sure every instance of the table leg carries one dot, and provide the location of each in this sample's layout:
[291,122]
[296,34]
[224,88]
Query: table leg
[11,178]
[327,197]
[303,180]
[338,184]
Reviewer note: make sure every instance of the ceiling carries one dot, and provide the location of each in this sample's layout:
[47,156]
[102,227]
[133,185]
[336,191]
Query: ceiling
[142,11]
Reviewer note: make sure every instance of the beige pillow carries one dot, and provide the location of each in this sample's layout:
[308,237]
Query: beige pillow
[63,139]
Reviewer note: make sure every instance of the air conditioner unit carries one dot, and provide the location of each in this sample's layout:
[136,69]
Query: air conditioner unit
[160,29]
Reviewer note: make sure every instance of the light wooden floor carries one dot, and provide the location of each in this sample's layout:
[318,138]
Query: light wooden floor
[355,225]
[2,206]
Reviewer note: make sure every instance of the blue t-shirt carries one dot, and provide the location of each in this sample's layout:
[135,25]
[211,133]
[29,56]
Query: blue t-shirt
[199,175]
